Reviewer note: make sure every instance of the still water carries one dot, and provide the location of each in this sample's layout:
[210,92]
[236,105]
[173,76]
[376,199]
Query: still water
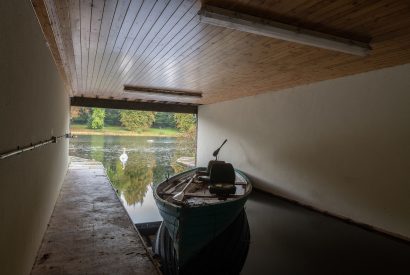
[134,165]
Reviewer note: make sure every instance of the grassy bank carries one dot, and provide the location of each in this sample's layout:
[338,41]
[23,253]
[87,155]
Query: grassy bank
[78,129]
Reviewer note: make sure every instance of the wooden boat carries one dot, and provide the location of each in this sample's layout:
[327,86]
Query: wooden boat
[200,216]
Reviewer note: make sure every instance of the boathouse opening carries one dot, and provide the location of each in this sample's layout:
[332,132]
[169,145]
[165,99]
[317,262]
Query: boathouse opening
[138,149]
[312,96]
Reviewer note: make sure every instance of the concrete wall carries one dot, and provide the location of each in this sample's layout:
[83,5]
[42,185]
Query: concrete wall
[340,145]
[33,107]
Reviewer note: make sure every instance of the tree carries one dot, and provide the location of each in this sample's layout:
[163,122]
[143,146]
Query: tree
[186,123]
[80,115]
[164,120]
[137,120]
[112,117]
[96,120]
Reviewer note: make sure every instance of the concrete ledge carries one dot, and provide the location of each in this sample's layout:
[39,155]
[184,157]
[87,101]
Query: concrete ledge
[89,231]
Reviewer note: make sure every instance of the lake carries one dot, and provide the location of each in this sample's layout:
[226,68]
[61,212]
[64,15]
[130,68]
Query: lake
[150,160]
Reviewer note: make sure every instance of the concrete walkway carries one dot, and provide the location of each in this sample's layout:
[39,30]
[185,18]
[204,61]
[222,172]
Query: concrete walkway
[89,231]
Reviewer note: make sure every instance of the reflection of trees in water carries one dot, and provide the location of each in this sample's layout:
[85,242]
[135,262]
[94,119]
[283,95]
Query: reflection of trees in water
[97,148]
[133,181]
[184,148]
[160,172]
[178,168]
[166,163]
[142,167]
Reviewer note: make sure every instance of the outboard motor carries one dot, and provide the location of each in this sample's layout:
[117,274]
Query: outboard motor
[211,163]
[222,173]
[222,178]
[204,175]
[216,161]
[216,152]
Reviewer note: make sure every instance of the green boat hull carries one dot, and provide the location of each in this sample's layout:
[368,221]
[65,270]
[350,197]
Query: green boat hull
[192,228]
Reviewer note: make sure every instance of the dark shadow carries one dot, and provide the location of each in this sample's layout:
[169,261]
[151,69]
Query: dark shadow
[290,239]
[226,254]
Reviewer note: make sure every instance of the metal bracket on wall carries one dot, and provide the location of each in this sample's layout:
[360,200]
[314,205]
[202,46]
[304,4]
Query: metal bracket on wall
[32,146]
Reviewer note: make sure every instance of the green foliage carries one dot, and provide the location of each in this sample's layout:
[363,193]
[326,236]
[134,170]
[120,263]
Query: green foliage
[133,180]
[80,115]
[137,120]
[185,123]
[96,120]
[164,120]
[112,117]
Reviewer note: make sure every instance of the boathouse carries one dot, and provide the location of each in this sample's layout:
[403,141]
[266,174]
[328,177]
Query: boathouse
[313,96]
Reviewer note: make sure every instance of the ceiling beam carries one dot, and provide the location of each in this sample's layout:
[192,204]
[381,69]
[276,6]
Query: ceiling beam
[251,24]
[159,91]
[135,105]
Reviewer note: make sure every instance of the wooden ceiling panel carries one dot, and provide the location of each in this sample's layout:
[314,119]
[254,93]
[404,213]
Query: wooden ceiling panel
[164,39]
[106,44]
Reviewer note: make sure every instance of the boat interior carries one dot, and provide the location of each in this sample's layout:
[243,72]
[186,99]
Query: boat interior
[198,191]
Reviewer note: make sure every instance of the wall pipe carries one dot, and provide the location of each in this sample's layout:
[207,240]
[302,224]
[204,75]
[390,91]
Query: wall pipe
[30,147]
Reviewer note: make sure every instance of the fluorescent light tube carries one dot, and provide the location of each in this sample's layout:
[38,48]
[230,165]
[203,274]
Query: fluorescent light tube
[246,23]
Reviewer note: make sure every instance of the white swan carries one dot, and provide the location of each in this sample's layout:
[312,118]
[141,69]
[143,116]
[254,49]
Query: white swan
[123,158]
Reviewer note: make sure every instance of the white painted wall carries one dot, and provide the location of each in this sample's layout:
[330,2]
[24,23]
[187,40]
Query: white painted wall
[341,145]
[33,107]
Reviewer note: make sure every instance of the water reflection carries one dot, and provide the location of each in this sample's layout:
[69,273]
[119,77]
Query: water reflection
[134,179]
[134,164]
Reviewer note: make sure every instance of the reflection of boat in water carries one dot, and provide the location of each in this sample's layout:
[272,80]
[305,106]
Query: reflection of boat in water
[226,254]
[123,158]
[206,210]
[200,204]
[187,161]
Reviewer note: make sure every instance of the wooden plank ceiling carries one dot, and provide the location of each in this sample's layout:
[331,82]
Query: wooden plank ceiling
[104,45]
